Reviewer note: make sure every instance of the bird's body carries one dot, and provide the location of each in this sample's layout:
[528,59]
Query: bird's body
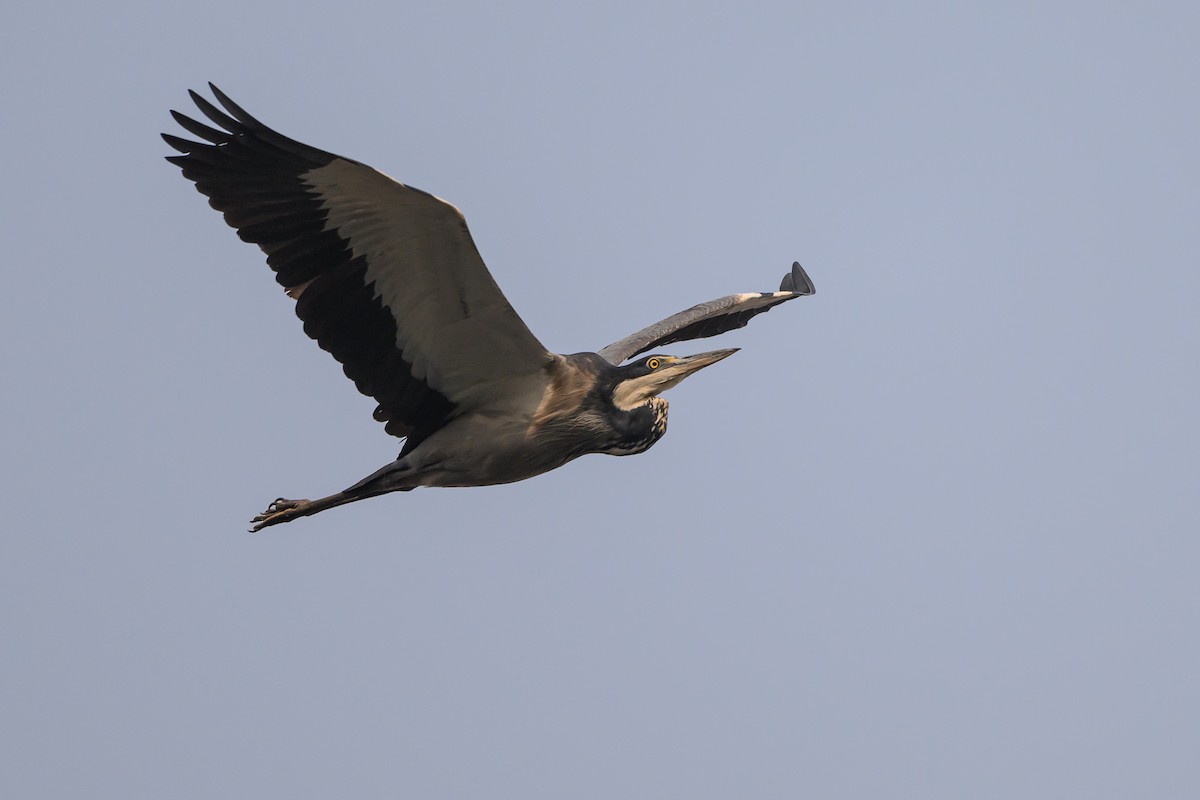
[568,419]
[388,280]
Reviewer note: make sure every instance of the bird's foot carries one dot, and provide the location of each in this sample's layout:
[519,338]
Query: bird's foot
[282,510]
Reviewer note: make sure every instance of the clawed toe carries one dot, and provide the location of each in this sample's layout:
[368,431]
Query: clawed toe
[281,504]
[281,510]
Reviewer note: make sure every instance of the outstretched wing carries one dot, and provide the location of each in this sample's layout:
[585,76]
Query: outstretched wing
[385,276]
[711,318]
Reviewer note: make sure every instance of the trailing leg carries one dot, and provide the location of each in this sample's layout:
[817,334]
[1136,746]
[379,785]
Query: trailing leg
[395,477]
[284,510]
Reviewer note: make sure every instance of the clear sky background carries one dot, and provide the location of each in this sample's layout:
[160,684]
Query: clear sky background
[931,534]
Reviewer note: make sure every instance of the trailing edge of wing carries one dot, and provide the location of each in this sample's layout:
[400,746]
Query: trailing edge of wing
[386,277]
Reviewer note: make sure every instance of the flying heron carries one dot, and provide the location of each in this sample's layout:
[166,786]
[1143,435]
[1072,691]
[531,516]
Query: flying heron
[387,279]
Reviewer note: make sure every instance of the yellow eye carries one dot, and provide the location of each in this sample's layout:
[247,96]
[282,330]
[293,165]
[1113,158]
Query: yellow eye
[654,363]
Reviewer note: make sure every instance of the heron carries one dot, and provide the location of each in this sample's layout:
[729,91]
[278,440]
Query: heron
[387,279]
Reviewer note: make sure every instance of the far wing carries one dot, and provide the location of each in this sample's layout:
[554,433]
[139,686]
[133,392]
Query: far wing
[386,277]
[711,318]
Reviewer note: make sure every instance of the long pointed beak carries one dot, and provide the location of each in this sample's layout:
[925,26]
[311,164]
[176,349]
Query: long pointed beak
[680,368]
[690,364]
[633,392]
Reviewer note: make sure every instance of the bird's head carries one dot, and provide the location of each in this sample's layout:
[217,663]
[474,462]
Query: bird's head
[651,375]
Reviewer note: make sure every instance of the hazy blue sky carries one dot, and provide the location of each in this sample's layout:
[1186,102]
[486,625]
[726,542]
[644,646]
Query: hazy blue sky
[931,534]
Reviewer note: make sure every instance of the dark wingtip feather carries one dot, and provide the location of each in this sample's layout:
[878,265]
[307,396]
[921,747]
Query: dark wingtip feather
[797,281]
[199,128]
[233,108]
[215,114]
[177,143]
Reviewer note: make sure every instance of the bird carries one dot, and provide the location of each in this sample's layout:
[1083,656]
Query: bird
[387,279]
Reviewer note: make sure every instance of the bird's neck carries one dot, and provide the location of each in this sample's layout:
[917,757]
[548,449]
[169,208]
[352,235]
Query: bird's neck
[637,429]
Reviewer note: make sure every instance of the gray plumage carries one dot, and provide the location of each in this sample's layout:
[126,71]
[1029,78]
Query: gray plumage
[387,278]
[712,318]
